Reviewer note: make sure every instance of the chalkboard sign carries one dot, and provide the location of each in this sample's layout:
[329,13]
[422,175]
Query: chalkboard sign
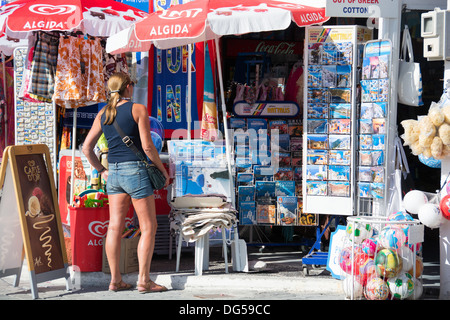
[26,176]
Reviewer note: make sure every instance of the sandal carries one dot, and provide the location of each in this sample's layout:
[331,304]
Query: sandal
[150,286]
[119,286]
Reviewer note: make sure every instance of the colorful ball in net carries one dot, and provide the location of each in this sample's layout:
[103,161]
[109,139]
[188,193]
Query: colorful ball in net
[367,270]
[413,200]
[358,231]
[369,246]
[345,260]
[430,215]
[387,263]
[157,127]
[376,289]
[401,286]
[407,255]
[401,216]
[392,237]
[353,287]
[419,267]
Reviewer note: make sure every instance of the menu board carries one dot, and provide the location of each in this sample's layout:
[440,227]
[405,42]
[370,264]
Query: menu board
[332,57]
[26,175]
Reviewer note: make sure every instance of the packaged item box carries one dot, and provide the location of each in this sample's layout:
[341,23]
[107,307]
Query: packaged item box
[247,212]
[287,210]
[128,256]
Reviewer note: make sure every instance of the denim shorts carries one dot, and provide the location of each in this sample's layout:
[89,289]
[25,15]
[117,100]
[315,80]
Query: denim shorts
[129,177]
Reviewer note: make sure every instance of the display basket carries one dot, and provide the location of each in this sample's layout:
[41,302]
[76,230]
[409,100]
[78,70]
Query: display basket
[381,258]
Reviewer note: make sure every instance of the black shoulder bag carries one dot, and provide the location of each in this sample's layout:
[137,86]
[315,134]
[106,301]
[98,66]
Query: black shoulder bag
[156,176]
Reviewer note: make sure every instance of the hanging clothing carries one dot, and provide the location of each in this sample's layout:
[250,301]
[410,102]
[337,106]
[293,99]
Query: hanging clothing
[291,84]
[79,77]
[43,67]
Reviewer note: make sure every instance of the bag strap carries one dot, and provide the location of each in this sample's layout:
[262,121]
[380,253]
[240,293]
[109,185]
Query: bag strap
[130,144]
[406,46]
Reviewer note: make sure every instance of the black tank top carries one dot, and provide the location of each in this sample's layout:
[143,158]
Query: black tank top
[118,151]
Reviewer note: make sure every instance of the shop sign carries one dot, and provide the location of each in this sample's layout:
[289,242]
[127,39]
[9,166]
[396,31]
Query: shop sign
[362,8]
[236,46]
[265,109]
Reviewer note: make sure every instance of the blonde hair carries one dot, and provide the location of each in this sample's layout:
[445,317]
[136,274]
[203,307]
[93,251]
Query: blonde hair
[117,84]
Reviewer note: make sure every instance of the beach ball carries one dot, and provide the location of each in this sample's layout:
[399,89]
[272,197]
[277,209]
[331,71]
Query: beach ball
[418,290]
[353,284]
[430,215]
[445,206]
[369,246]
[345,260]
[392,237]
[419,267]
[401,286]
[359,231]
[156,127]
[407,256]
[367,270]
[413,200]
[387,263]
[157,141]
[376,289]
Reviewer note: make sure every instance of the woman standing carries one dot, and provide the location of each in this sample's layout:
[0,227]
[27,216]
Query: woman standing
[127,178]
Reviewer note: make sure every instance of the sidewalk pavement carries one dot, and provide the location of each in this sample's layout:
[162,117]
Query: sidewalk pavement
[282,279]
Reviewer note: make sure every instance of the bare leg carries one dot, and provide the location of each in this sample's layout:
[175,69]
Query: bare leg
[119,205]
[146,213]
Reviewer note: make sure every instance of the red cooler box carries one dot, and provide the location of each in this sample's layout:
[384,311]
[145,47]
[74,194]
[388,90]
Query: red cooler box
[88,227]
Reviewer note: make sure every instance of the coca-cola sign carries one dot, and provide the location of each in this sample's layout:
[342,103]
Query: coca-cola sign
[235,46]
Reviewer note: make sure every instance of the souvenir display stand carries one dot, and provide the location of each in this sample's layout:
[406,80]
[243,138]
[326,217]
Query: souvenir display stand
[333,63]
[381,258]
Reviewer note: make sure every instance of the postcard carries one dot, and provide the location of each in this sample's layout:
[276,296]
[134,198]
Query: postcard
[329,76]
[366,111]
[384,66]
[329,53]
[316,95]
[365,174]
[317,141]
[317,157]
[364,189]
[339,173]
[377,157]
[339,157]
[365,141]
[379,125]
[316,172]
[365,158]
[383,85]
[317,126]
[379,109]
[340,95]
[343,76]
[378,141]
[365,74]
[339,188]
[316,188]
[365,126]
[341,126]
[377,190]
[374,90]
[314,76]
[339,142]
[315,53]
[344,53]
[317,111]
[365,90]
[377,174]
[340,110]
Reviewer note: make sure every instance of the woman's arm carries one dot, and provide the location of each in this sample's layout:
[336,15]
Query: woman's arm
[140,115]
[89,144]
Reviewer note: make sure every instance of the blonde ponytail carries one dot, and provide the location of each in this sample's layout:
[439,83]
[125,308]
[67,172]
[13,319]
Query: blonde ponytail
[117,84]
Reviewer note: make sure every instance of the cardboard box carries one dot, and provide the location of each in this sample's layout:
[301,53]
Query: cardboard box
[128,256]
